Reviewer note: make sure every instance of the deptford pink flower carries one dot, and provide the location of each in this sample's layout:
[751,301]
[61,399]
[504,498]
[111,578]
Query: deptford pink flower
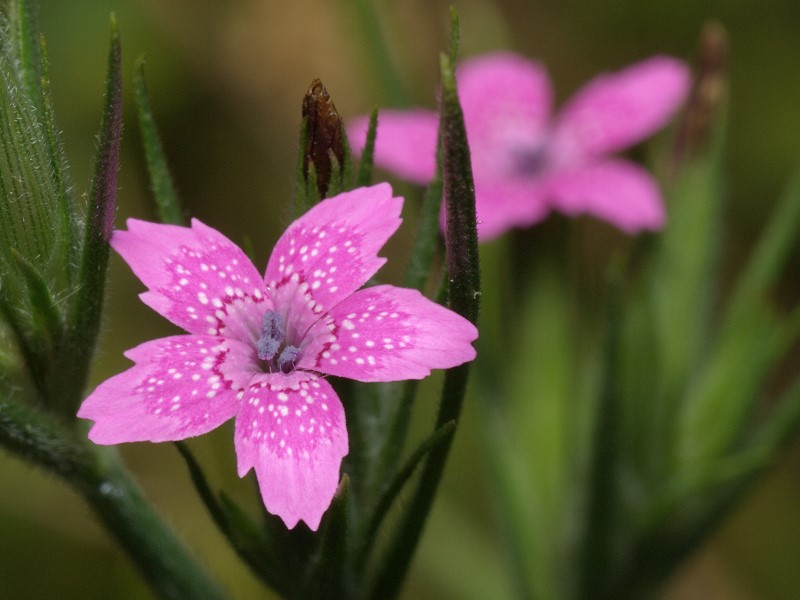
[258,348]
[526,162]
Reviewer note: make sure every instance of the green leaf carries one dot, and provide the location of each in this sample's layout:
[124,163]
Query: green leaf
[388,76]
[392,488]
[169,207]
[324,577]
[464,295]
[682,287]
[600,546]
[364,176]
[301,175]
[103,205]
[36,213]
[770,254]
[277,556]
[23,24]
[39,329]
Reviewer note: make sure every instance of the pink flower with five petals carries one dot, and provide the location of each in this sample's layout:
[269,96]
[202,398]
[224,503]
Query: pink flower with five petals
[258,348]
[526,162]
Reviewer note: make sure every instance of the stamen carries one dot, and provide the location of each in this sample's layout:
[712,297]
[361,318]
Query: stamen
[287,358]
[273,332]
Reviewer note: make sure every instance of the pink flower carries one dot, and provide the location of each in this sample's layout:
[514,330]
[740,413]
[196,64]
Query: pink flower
[526,162]
[258,348]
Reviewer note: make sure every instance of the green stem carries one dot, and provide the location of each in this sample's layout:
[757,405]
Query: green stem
[117,501]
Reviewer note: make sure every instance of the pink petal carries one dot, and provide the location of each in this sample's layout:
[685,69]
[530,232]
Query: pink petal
[197,278]
[291,428]
[181,386]
[506,100]
[385,333]
[328,253]
[616,191]
[405,142]
[504,204]
[616,110]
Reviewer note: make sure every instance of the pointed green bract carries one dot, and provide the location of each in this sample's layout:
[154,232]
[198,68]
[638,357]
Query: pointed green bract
[169,208]
[85,319]
[364,176]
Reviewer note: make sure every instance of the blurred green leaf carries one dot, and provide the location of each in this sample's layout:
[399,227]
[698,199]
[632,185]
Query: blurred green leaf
[370,26]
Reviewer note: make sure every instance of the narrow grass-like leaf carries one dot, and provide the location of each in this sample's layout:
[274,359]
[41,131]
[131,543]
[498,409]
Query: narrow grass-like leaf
[364,176]
[690,509]
[388,76]
[169,207]
[682,287]
[46,322]
[769,257]
[599,558]
[244,535]
[60,172]
[300,202]
[427,241]
[99,226]
[394,486]
[464,294]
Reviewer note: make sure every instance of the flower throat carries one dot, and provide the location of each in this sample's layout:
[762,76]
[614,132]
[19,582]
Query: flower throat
[272,343]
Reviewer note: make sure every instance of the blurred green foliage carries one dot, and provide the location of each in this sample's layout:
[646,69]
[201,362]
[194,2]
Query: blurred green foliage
[226,80]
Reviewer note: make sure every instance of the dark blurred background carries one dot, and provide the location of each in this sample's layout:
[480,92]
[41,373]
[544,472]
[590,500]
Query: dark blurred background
[226,80]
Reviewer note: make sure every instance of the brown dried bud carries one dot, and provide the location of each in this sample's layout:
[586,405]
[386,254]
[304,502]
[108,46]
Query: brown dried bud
[325,131]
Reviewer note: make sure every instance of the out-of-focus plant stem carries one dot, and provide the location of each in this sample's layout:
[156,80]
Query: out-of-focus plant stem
[97,474]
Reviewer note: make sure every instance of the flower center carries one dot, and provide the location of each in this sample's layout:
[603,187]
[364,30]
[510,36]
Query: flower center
[530,160]
[272,344]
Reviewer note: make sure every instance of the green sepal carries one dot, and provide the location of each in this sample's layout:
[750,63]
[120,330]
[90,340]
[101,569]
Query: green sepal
[337,182]
[169,206]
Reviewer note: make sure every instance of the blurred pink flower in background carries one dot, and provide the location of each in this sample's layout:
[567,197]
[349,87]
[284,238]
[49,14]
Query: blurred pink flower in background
[258,348]
[526,161]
